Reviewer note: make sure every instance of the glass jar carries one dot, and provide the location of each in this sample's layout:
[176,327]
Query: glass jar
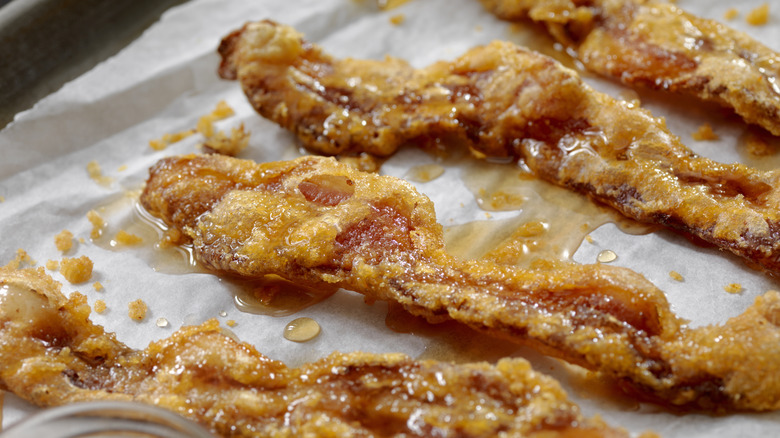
[106,419]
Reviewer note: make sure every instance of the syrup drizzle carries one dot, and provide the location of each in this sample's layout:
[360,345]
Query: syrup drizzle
[302,330]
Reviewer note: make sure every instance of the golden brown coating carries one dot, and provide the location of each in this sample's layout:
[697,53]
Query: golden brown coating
[655,44]
[52,354]
[505,101]
[316,221]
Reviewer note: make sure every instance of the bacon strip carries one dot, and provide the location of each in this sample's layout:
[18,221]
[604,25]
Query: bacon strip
[52,354]
[657,45]
[379,237]
[504,101]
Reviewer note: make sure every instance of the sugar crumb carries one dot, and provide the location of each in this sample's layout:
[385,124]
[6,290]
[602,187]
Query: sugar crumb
[223,144]
[386,5]
[704,133]
[124,238]
[77,269]
[730,14]
[122,168]
[21,258]
[97,224]
[53,265]
[397,20]
[231,323]
[758,16]
[94,171]
[64,241]
[2,198]
[98,286]
[733,288]
[676,276]
[168,139]
[589,238]
[137,309]
[206,123]
[100,306]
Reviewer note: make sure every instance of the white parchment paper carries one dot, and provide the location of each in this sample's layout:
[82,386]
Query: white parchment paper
[166,80]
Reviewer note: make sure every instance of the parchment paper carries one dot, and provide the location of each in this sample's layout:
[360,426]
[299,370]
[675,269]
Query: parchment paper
[166,80]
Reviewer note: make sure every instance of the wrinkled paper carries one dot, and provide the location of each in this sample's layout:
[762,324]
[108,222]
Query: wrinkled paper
[165,80]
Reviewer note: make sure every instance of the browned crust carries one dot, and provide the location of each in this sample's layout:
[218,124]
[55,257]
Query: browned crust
[52,354]
[504,101]
[657,45]
[379,237]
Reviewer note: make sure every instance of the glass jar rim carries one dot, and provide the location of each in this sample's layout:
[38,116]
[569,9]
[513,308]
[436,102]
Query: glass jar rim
[103,419]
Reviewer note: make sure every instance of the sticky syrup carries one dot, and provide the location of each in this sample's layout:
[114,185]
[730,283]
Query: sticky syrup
[271,295]
[606,256]
[424,172]
[551,221]
[302,330]
[275,296]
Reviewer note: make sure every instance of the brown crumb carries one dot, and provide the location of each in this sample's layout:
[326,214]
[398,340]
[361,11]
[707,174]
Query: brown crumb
[97,224]
[2,198]
[733,288]
[167,139]
[21,258]
[676,275]
[98,286]
[124,238]
[52,265]
[397,20]
[100,306]
[64,241]
[206,123]
[589,238]
[220,143]
[93,169]
[730,14]
[231,323]
[758,16]
[390,4]
[76,270]
[704,133]
[137,310]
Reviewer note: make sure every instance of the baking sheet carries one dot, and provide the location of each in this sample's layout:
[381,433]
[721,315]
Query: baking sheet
[166,80]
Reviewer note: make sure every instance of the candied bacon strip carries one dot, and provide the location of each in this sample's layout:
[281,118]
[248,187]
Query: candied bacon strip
[52,354]
[379,237]
[657,45]
[505,101]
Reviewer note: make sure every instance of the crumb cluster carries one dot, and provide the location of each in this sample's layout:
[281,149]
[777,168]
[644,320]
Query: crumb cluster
[137,310]
[758,16]
[704,133]
[77,269]
[64,241]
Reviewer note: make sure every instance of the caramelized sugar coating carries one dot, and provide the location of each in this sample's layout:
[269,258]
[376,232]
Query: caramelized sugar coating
[316,221]
[505,101]
[52,355]
[655,44]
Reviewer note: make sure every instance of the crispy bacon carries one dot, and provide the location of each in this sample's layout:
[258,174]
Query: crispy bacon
[383,241]
[656,44]
[505,101]
[52,354]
